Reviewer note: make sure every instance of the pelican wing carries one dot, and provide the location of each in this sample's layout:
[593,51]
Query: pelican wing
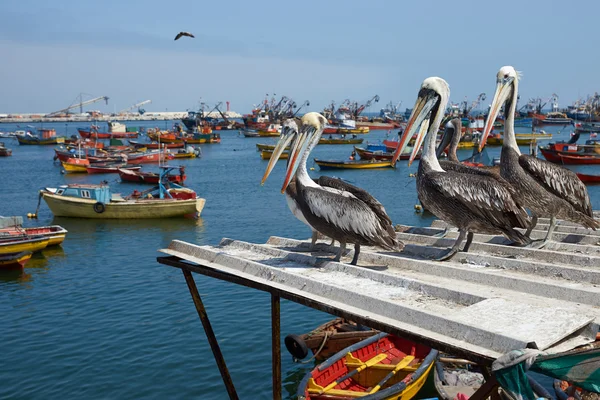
[359,193]
[346,212]
[483,196]
[559,181]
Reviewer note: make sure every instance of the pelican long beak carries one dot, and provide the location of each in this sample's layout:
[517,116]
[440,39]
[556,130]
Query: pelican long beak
[503,91]
[298,149]
[424,104]
[419,140]
[446,139]
[287,135]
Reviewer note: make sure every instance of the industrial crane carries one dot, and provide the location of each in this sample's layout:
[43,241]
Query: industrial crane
[305,104]
[80,105]
[356,109]
[467,109]
[126,110]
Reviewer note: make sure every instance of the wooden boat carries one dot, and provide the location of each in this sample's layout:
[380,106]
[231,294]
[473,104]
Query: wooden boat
[187,153]
[34,140]
[155,145]
[523,139]
[250,133]
[340,141]
[570,157]
[14,260]
[353,164]
[74,165]
[266,155]
[197,138]
[96,201]
[270,147]
[55,234]
[95,134]
[327,339]
[365,154]
[4,151]
[380,367]
[23,243]
[552,118]
[154,156]
[586,178]
[111,167]
[151,177]
[345,131]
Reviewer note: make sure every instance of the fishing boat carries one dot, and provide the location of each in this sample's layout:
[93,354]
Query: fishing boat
[196,138]
[156,145]
[587,178]
[76,165]
[341,140]
[55,234]
[23,243]
[96,201]
[12,261]
[4,151]
[151,177]
[366,154]
[273,130]
[552,118]
[523,139]
[270,147]
[340,130]
[188,152]
[266,155]
[380,367]
[353,164]
[327,339]
[46,137]
[587,127]
[111,167]
[153,156]
[94,133]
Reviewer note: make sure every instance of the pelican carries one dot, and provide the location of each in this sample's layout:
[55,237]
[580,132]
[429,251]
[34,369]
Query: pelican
[471,202]
[180,34]
[546,189]
[340,211]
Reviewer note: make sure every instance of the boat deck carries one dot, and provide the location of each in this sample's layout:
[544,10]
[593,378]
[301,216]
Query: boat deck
[481,304]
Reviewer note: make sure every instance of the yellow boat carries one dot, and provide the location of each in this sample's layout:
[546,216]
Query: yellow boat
[340,141]
[184,155]
[14,260]
[354,164]
[266,155]
[523,139]
[96,201]
[345,131]
[382,367]
[75,167]
[466,145]
[27,243]
[271,147]
[55,234]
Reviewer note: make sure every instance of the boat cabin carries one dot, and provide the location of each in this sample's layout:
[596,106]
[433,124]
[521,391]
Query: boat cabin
[100,193]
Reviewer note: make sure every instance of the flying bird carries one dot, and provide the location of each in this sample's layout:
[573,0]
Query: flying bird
[180,34]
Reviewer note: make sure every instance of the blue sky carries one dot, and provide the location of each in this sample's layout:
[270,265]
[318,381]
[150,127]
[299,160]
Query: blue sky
[309,50]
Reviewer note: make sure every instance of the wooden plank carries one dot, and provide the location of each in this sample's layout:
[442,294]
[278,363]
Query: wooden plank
[210,334]
[276,346]
[364,320]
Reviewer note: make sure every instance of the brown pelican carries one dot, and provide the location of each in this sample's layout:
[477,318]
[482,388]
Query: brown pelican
[546,189]
[180,34]
[341,211]
[471,202]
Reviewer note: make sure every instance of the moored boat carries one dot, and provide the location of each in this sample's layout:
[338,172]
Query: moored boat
[73,165]
[273,130]
[46,137]
[332,129]
[154,156]
[266,155]
[327,339]
[523,139]
[588,178]
[128,175]
[93,133]
[11,261]
[552,118]
[110,167]
[55,234]
[341,140]
[366,154]
[380,367]
[4,151]
[23,243]
[353,164]
[96,201]
[156,145]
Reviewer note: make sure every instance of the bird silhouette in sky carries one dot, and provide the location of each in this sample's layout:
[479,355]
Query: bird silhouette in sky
[180,34]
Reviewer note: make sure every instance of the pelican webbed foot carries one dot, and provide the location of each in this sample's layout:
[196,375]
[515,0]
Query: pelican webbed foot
[456,247]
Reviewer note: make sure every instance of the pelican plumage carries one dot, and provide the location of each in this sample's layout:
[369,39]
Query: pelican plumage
[546,189]
[340,211]
[471,202]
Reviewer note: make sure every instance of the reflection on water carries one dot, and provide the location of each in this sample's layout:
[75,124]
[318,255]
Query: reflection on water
[14,276]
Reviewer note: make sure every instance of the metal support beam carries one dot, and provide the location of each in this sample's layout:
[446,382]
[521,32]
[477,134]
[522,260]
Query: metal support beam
[276,346]
[212,340]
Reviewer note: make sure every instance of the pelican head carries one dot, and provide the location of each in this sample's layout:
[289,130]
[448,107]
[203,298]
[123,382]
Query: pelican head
[289,131]
[310,132]
[433,93]
[451,126]
[506,86]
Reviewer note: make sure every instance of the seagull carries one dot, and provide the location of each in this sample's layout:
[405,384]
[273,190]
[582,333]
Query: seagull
[180,34]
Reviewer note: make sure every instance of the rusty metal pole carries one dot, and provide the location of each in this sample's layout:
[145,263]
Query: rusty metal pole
[276,346]
[212,340]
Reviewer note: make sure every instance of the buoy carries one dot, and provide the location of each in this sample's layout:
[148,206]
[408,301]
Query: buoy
[418,208]
[412,175]
[312,168]
[31,215]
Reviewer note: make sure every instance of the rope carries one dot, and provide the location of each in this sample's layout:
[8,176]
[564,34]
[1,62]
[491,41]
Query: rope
[316,353]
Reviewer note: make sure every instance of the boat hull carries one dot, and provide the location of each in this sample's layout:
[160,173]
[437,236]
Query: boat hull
[266,155]
[367,164]
[62,206]
[55,234]
[13,261]
[86,134]
[24,244]
[340,141]
[585,178]
[40,142]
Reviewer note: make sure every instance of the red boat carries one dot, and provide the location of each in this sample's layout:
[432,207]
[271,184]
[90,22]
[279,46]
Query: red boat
[570,157]
[585,178]
[154,145]
[147,158]
[151,177]
[110,168]
[93,134]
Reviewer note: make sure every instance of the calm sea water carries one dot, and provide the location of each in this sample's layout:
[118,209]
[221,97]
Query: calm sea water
[100,318]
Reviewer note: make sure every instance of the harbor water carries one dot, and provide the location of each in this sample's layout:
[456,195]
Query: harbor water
[99,318]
